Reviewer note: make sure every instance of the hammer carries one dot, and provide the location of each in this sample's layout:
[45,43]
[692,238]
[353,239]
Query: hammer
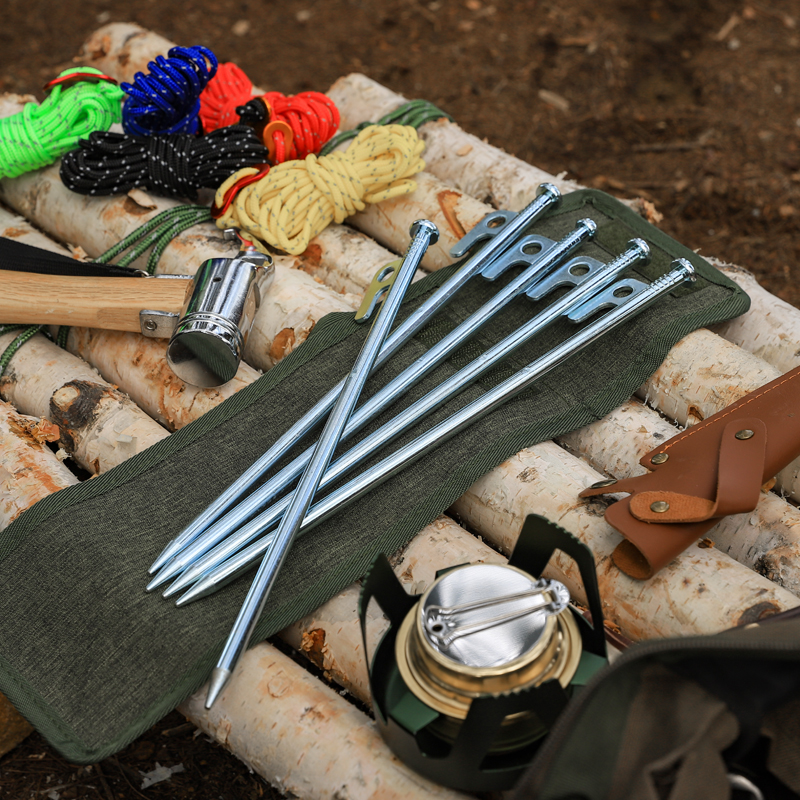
[207,318]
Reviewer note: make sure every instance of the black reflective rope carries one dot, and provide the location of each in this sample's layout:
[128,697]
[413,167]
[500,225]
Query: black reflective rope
[173,166]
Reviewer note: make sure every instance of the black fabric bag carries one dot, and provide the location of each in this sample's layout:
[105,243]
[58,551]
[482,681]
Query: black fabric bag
[701,718]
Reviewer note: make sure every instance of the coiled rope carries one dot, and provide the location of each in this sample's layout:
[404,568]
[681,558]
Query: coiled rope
[298,199]
[167,99]
[312,116]
[39,134]
[175,166]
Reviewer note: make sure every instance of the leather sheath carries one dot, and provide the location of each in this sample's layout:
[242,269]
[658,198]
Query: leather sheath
[713,469]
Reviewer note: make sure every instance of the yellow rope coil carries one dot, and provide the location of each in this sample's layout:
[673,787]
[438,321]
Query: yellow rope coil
[298,199]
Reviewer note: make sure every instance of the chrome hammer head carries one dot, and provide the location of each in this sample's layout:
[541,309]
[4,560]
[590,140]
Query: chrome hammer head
[207,343]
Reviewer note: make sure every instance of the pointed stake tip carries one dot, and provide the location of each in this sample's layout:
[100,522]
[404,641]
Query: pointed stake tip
[219,677]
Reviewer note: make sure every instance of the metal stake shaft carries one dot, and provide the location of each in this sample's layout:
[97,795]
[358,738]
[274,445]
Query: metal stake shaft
[397,461]
[238,515]
[441,394]
[548,197]
[423,233]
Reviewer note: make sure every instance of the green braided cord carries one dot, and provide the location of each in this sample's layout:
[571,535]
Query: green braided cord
[61,338]
[39,134]
[156,233]
[201,214]
[414,113]
[16,344]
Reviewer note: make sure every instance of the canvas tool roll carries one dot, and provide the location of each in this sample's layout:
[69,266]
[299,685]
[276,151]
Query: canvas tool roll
[713,469]
[93,660]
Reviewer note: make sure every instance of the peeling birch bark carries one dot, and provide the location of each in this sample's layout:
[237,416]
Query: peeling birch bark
[453,212]
[345,260]
[29,469]
[131,361]
[302,736]
[770,329]
[331,635]
[766,539]
[702,591]
[99,425]
[295,302]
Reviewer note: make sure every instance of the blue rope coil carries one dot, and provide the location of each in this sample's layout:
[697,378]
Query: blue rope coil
[167,99]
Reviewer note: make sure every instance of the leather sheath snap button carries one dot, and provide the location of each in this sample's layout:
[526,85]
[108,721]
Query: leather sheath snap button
[659,507]
[602,484]
[659,458]
[744,434]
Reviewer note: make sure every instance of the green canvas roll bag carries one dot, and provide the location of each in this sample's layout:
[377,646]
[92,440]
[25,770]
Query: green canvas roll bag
[712,717]
[92,660]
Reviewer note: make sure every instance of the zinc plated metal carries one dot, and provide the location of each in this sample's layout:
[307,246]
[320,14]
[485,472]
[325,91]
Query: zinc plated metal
[533,281]
[502,237]
[207,344]
[626,298]
[423,233]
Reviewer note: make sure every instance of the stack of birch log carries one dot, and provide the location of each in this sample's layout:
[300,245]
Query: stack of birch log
[274,713]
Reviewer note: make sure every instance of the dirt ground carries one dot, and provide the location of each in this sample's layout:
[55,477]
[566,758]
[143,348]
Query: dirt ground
[692,104]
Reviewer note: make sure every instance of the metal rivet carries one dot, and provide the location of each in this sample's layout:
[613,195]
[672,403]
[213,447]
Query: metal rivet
[602,484]
[659,507]
[745,434]
[150,325]
[659,458]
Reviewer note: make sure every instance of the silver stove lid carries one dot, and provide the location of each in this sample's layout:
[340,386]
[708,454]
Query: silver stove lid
[488,615]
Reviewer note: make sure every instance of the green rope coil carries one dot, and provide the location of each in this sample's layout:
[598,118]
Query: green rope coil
[40,134]
[414,113]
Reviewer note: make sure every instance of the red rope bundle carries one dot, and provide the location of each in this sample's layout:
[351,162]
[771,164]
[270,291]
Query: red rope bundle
[227,90]
[312,116]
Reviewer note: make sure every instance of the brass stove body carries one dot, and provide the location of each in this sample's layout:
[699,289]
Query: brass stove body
[472,674]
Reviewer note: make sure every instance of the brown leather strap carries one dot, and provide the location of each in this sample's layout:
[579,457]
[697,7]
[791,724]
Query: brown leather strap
[711,470]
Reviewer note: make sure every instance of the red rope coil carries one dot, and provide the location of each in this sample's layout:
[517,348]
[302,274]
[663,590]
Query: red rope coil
[312,116]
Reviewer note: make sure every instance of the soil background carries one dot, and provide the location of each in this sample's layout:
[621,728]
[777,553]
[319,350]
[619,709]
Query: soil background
[691,104]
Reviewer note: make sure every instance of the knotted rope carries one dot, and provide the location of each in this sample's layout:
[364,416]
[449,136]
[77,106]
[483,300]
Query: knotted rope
[39,134]
[175,166]
[167,99]
[298,199]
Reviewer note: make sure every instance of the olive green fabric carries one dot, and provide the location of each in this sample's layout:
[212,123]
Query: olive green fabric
[92,660]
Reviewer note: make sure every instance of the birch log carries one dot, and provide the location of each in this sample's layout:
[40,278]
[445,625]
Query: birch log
[766,539]
[456,157]
[302,736]
[99,425]
[702,374]
[29,469]
[770,329]
[701,591]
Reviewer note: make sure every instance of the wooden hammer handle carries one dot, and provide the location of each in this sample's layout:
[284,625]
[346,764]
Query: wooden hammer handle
[108,303]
